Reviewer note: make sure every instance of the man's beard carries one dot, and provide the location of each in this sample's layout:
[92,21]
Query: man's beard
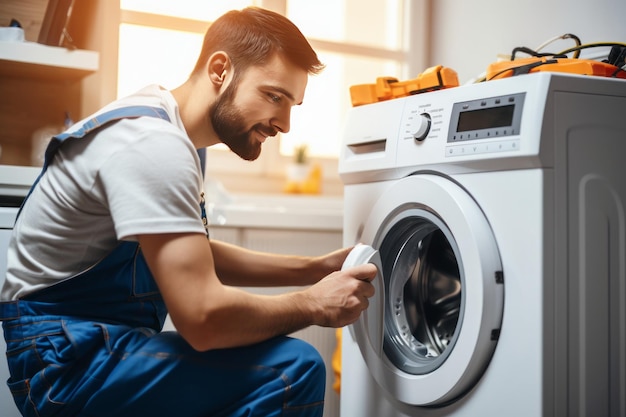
[229,125]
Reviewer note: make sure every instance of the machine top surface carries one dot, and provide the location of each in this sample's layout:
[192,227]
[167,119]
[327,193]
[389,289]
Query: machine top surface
[495,125]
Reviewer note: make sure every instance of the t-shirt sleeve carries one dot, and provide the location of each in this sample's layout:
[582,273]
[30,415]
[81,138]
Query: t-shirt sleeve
[154,186]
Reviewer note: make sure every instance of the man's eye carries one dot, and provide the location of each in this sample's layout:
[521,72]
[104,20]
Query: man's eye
[274,97]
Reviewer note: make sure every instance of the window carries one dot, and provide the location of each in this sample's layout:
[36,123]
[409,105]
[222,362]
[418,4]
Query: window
[358,40]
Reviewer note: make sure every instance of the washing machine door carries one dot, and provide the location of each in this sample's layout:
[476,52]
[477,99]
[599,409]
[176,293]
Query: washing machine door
[433,324]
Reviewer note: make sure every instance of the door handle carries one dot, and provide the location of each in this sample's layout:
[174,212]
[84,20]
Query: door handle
[369,328]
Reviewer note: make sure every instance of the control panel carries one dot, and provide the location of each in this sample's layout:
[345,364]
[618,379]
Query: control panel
[486,118]
[464,127]
[491,124]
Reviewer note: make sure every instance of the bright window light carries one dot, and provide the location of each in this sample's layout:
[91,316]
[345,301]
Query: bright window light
[149,55]
[350,36]
[318,122]
[190,9]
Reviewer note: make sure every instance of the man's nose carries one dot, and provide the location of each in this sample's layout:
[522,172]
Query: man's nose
[282,122]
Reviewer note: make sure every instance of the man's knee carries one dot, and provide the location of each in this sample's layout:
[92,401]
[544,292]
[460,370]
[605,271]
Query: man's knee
[308,375]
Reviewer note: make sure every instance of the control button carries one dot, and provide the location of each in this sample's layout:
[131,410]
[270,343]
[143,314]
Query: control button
[420,126]
[483,148]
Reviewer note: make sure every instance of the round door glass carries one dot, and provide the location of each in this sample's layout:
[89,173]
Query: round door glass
[424,291]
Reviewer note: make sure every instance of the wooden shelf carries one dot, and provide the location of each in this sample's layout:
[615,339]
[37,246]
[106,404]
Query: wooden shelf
[35,61]
[40,83]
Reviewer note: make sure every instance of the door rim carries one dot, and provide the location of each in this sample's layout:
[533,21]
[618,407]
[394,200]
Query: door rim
[483,292]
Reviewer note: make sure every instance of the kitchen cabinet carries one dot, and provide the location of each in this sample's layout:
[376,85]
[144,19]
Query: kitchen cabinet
[291,242]
[40,84]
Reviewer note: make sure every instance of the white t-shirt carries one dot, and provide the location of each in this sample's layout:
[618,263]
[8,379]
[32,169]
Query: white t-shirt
[135,176]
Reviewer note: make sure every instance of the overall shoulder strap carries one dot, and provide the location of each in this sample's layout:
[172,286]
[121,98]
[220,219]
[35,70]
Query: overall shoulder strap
[101,120]
[97,122]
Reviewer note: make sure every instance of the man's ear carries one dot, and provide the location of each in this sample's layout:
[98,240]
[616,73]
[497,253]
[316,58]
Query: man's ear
[219,67]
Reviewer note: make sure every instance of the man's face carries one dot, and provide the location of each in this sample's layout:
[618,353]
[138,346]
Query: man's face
[256,105]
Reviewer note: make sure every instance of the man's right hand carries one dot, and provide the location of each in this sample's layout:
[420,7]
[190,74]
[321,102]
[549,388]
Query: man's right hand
[340,297]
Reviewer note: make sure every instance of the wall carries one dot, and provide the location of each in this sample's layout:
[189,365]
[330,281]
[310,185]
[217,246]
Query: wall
[468,35]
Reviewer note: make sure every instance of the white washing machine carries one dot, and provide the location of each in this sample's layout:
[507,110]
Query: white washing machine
[496,215]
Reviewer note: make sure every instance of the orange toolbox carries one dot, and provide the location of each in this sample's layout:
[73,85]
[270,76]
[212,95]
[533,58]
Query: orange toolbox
[506,69]
[387,88]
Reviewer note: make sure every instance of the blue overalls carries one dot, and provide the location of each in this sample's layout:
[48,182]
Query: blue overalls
[92,346]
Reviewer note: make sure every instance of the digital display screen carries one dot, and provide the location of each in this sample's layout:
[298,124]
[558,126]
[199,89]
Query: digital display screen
[485,118]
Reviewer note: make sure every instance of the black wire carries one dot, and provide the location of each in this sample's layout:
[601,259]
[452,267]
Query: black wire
[576,50]
[522,49]
[537,54]
[617,56]
[497,74]
[572,36]
[591,45]
[522,69]
[617,71]
[576,39]
[530,52]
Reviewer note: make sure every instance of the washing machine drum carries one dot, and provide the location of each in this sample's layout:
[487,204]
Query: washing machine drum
[433,325]
[424,294]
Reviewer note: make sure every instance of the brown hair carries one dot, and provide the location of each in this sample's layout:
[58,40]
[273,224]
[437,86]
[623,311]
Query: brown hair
[250,36]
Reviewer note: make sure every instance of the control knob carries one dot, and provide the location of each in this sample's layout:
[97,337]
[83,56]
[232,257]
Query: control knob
[420,126]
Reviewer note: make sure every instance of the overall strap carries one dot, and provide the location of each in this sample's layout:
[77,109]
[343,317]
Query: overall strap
[11,310]
[89,126]
[99,121]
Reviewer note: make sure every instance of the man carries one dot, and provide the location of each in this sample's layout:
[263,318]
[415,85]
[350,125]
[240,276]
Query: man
[112,238]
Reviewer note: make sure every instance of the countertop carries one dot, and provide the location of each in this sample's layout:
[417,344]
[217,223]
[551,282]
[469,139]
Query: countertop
[310,212]
[273,211]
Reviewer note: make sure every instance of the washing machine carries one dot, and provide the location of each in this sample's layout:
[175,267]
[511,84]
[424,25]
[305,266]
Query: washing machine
[495,214]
